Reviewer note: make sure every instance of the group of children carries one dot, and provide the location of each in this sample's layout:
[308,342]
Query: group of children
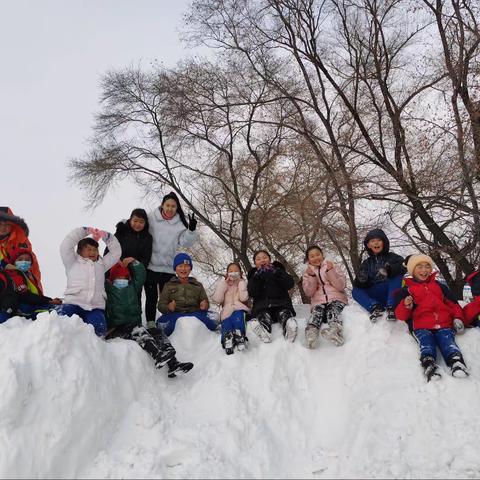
[106,291]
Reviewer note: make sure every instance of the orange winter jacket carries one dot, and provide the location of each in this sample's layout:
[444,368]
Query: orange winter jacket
[15,241]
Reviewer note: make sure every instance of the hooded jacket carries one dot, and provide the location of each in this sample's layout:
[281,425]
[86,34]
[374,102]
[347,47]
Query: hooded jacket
[434,306]
[86,278]
[324,286]
[231,297]
[168,237]
[123,307]
[369,269]
[270,289]
[17,240]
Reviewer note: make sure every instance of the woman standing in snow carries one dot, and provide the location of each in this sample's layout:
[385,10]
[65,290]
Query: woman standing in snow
[170,231]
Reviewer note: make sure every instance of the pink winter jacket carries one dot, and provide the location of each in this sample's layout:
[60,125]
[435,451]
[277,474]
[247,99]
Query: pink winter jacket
[324,287]
[230,297]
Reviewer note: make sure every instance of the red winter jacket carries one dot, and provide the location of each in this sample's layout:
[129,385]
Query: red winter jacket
[472,309]
[433,305]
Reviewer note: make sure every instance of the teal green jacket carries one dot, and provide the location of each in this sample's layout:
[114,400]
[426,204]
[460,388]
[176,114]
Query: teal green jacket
[123,306]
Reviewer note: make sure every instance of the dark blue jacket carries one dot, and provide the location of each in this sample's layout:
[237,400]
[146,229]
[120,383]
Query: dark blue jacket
[370,268]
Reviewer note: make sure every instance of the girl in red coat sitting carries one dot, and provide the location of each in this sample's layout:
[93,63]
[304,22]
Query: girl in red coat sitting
[436,316]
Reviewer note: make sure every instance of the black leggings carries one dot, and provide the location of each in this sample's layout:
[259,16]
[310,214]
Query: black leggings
[153,285]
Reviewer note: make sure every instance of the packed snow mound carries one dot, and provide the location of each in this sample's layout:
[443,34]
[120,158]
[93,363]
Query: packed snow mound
[73,405]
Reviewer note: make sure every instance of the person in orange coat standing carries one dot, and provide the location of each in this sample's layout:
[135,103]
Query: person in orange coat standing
[14,238]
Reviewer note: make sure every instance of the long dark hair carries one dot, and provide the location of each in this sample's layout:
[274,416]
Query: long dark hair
[173,196]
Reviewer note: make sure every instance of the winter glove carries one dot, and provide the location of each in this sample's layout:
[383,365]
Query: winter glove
[192,223]
[266,269]
[382,273]
[458,326]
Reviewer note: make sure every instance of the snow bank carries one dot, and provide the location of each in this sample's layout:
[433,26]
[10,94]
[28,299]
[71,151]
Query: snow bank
[75,406]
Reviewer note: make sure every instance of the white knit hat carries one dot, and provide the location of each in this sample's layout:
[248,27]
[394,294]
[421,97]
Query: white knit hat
[414,260]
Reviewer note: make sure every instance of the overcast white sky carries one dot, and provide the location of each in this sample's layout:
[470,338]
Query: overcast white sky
[53,53]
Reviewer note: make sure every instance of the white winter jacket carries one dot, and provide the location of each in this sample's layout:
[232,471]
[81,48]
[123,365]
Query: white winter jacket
[168,237]
[86,279]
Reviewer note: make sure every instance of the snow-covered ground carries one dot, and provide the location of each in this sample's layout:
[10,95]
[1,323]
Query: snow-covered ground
[73,405]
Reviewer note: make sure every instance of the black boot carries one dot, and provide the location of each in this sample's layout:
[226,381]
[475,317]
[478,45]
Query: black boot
[376,313]
[176,368]
[228,343]
[430,368]
[457,366]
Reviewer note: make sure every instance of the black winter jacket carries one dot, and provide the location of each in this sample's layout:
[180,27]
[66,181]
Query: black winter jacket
[134,244]
[369,270]
[270,289]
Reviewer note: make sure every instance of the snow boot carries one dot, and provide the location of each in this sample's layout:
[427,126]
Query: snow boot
[377,312]
[228,343]
[176,368]
[261,332]
[391,315]
[291,328]
[334,333]
[430,369]
[458,367]
[240,340]
[164,356]
[311,336]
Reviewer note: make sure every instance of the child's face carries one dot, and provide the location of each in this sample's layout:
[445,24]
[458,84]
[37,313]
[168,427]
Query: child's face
[422,271]
[89,251]
[170,207]
[262,260]
[315,257]
[5,228]
[137,223]
[233,268]
[183,270]
[233,272]
[375,245]
[24,257]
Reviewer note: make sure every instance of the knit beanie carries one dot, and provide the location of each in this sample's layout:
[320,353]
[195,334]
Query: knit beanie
[182,258]
[119,271]
[414,260]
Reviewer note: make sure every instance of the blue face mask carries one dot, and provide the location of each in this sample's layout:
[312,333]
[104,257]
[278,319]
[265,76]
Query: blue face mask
[23,265]
[120,282]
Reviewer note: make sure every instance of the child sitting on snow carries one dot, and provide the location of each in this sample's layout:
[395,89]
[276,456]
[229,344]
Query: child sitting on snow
[325,284]
[380,276]
[183,296]
[435,314]
[124,316]
[231,293]
[85,269]
[268,285]
[20,292]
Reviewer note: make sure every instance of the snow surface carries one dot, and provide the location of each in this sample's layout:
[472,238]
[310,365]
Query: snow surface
[73,405]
